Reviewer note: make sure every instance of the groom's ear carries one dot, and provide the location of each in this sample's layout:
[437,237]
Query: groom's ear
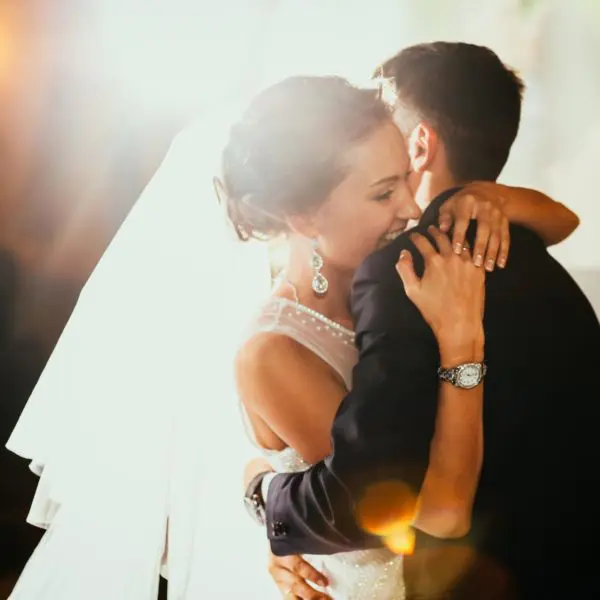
[422,147]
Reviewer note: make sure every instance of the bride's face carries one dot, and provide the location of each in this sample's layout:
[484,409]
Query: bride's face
[372,205]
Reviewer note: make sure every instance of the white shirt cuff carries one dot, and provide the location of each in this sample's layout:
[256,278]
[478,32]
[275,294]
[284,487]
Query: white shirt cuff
[264,486]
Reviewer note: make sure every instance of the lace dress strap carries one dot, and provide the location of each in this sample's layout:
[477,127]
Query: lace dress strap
[330,341]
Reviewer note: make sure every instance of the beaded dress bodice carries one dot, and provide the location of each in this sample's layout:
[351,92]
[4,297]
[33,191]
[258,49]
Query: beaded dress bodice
[360,575]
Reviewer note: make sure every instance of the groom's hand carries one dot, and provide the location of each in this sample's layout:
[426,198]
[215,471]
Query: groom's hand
[292,574]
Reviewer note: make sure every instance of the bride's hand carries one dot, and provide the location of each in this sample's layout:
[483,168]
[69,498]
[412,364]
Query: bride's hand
[450,296]
[255,467]
[291,574]
[484,202]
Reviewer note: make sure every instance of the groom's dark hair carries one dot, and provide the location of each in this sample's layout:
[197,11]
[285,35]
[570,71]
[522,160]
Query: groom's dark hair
[466,93]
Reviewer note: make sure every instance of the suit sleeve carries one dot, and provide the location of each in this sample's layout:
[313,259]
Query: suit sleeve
[382,430]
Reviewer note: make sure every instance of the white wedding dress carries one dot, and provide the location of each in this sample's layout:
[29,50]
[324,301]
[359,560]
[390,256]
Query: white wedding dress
[363,574]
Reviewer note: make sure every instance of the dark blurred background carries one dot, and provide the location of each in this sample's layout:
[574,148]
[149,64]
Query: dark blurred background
[93,91]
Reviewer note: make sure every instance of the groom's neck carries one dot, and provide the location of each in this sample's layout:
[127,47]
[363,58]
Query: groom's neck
[432,185]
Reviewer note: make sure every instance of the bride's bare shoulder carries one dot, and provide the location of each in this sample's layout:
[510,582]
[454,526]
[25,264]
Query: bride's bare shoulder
[272,355]
[289,390]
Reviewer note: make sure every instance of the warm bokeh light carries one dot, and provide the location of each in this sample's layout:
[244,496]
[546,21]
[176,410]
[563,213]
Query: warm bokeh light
[8,42]
[91,95]
[402,541]
[388,509]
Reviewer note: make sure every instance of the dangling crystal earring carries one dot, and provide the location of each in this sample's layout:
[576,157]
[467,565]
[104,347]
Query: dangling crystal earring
[320,285]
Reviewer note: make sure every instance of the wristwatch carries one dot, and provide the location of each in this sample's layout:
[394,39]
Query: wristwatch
[465,376]
[254,501]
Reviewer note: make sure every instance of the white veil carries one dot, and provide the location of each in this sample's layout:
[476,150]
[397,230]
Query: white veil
[134,420]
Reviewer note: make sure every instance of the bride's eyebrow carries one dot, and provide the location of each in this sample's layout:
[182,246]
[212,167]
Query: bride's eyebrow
[389,179]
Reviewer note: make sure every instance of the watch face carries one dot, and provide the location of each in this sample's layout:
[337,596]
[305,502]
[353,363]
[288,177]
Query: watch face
[469,376]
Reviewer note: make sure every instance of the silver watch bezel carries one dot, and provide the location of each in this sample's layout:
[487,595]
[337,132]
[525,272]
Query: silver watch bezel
[461,370]
[454,375]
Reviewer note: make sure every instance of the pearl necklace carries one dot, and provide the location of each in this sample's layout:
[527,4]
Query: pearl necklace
[317,315]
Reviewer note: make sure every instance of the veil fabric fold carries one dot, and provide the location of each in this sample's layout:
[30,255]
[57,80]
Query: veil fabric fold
[134,427]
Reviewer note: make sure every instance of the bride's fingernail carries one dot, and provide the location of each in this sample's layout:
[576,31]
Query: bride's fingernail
[502,262]
[489,265]
[478,260]
[458,248]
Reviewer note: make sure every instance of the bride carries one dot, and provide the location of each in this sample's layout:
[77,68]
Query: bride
[121,426]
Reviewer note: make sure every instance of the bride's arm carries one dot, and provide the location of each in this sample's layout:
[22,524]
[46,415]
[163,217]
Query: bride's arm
[551,220]
[292,397]
[446,498]
[382,434]
[494,206]
[456,452]
[290,394]
[299,404]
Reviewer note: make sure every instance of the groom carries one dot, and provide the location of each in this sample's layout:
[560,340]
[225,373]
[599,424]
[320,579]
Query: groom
[535,513]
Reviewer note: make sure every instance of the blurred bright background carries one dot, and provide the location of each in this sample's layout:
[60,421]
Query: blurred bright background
[92,92]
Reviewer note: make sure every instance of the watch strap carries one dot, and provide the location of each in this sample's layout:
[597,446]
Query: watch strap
[254,498]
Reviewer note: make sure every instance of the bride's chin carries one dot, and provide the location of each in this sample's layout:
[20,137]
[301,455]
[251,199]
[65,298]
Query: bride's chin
[383,242]
[388,239]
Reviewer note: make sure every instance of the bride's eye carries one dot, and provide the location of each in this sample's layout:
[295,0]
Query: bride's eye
[385,196]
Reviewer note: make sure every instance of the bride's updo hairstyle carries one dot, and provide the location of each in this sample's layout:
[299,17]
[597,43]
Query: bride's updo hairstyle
[287,153]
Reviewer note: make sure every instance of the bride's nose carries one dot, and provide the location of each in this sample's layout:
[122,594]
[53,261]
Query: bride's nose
[408,209]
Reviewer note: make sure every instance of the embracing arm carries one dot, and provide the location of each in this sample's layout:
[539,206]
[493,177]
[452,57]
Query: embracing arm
[290,394]
[456,454]
[551,220]
[383,432]
[495,207]
[314,512]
